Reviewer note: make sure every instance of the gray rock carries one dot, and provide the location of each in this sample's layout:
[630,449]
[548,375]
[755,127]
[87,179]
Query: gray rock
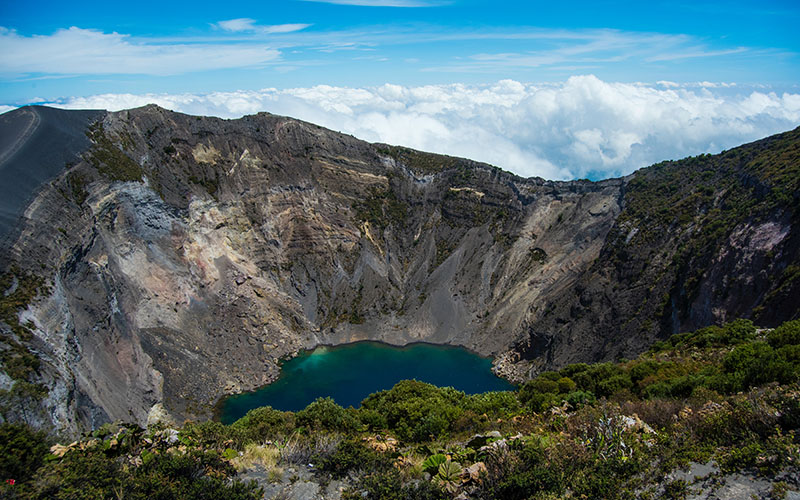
[245,241]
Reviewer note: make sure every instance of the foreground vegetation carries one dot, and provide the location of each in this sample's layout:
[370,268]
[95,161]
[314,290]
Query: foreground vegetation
[727,395]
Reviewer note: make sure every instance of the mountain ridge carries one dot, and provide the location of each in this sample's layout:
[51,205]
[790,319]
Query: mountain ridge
[192,253]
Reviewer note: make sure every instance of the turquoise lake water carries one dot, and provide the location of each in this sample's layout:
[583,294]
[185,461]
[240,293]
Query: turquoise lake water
[349,373]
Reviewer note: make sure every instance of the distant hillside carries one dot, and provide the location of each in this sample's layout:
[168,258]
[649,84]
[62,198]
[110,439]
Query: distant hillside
[698,241]
[170,259]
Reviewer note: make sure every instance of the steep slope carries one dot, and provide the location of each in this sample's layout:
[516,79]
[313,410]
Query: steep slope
[181,257]
[35,144]
[699,241]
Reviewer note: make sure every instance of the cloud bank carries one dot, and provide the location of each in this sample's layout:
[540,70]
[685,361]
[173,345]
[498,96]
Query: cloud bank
[583,127]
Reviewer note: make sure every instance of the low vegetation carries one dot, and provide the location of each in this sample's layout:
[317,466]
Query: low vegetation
[108,159]
[382,209]
[696,204]
[723,394]
[419,161]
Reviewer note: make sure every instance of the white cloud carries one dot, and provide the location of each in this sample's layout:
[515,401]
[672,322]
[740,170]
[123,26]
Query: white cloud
[77,51]
[249,25]
[696,53]
[283,28]
[239,24]
[580,127]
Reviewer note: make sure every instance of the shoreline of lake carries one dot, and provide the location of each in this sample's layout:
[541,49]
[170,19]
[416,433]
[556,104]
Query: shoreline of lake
[346,384]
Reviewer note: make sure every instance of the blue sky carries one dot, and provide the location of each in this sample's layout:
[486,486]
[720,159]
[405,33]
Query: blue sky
[425,42]
[68,54]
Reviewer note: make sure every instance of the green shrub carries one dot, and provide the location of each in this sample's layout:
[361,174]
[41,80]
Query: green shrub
[641,370]
[416,411]
[215,435]
[388,485]
[493,404]
[79,475]
[676,490]
[743,456]
[566,385]
[678,387]
[324,413]
[570,370]
[786,334]
[265,422]
[740,330]
[423,490]
[532,472]
[374,420]
[611,385]
[536,388]
[577,399]
[758,363]
[94,474]
[591,378]
[353,455]
[22,451]
[550,375]
[384,485]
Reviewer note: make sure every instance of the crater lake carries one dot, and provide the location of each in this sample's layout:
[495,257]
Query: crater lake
[351,372]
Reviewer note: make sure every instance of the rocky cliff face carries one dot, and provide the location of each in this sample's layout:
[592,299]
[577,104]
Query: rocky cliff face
[179,258]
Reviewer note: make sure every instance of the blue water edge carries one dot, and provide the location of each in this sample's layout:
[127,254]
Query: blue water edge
[351,372]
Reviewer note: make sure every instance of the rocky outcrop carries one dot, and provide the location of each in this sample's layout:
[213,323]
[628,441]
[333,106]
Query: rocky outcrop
[183,256]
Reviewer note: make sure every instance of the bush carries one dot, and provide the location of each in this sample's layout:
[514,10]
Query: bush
[570,370]
[265,422]
[94,474]
[324,413]
[492,404]
[576,399]
[79,475]
[536,388]
[385,485]
[532,472]
[612,385]
[372,419]
[678,387]
[757,363]
[215,435]
[22,451]
[590,379]
[566,385]
[786,334]
[738,331]
[733,333]
[417,411]
[640,371]
[353,455]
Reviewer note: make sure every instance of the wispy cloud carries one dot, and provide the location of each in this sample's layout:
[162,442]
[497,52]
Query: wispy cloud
[580,127]
[583,48]
[245,24]
[384,3]
[244,43]
[695,53]
[77,51]
[239,24]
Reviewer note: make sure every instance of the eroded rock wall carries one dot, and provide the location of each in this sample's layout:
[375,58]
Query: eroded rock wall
[185,256]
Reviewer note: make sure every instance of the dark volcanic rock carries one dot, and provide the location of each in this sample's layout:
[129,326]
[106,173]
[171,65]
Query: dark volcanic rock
[36,144]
